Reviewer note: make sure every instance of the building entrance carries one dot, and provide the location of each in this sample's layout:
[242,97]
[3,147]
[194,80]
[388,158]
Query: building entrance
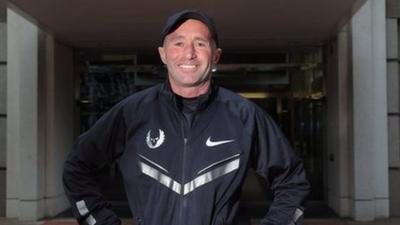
[290,87]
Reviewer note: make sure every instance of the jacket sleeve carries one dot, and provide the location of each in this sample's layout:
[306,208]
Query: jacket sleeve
[274,159]
[94,149]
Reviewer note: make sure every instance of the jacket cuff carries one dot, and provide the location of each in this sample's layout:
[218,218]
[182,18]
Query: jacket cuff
[101,217]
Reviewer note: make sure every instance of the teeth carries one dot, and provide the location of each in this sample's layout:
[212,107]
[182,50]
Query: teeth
[188,66]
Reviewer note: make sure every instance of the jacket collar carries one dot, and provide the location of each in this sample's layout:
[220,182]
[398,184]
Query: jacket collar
[176,100]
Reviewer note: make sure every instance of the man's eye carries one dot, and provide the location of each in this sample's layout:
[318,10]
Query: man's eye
[178,44]
[201,44]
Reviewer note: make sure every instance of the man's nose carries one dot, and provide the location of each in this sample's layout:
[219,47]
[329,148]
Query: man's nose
[190,51]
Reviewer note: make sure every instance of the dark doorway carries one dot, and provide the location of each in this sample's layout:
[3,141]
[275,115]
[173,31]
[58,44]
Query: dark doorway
[290,90]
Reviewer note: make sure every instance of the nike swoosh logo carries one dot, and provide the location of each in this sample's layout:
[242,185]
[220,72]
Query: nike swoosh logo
[210,143]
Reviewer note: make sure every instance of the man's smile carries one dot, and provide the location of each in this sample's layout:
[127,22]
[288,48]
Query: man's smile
[188,66]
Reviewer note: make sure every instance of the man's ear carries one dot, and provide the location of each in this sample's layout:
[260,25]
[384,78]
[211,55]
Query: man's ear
[161,52]
[217,55]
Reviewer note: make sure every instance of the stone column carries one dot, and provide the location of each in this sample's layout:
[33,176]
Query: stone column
[339,119]
[59,117]
[25,164]
[40,126]
[370,130]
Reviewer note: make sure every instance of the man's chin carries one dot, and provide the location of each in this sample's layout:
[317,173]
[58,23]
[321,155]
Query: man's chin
[198,83]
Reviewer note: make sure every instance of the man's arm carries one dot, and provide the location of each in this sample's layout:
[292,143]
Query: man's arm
[94,149]
[274,159]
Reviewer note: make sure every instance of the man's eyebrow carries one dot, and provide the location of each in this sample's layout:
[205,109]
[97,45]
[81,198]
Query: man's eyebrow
[177,37]
[202,39]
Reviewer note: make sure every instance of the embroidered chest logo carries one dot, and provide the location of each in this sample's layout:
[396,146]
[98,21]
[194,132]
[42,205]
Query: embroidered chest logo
[155,142]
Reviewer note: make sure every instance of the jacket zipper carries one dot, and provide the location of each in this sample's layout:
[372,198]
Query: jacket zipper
[185,140]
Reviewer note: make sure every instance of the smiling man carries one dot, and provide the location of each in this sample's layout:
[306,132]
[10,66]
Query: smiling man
[190,54]
[184,146]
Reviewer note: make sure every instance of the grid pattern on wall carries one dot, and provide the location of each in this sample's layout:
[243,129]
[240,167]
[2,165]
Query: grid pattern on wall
[393,93]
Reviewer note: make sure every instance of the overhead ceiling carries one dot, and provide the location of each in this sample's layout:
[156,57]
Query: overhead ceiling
[242,25]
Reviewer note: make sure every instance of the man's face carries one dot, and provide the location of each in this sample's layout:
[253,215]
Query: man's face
[190,54]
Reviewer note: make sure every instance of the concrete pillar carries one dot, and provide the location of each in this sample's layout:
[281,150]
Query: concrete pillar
[40,128]
[345,119]
[370,130]
[59,116]
[381,184]
[338,123]
[25,164]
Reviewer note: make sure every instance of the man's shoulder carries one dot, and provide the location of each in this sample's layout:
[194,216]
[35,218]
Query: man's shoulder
[227,96]
[242,108]
[142,96]
[239,105]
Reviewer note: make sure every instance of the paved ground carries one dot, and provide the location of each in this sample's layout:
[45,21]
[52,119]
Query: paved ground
[392,221]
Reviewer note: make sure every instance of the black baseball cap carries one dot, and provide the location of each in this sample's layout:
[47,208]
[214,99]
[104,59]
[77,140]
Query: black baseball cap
[178,18]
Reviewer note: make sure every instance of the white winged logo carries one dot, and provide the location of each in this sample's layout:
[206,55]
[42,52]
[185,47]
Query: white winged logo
[155,142]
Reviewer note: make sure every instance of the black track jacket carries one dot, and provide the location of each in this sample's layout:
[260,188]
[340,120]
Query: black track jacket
[176,173]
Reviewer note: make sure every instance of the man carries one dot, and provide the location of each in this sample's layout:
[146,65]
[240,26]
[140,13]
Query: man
[184,147]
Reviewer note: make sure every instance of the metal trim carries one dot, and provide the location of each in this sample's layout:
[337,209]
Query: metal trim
[82,208]
[216,163]
[210,176]
[91,220]
[155,164]
[297,214]
[193,184]
[160,177]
